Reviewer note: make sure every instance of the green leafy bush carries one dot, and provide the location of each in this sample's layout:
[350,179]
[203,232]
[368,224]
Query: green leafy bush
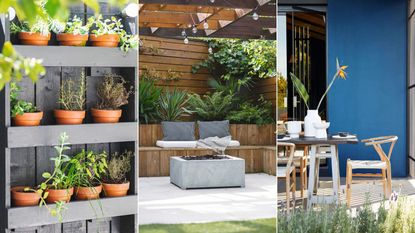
[237,63]
[259,113]
[149,96]
[211,107]
[17,106]
[172,105]
[75,26]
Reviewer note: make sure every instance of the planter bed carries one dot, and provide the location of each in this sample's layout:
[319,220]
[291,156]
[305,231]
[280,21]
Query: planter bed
[207,171]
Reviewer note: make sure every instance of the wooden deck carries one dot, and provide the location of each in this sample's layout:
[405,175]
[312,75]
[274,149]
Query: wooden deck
[366,188]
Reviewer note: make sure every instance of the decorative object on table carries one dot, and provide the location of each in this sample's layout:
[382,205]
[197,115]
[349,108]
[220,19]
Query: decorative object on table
[312,114]
[72,102]
[344,135]
[113,94]
[23,113]
[294,128]
[321,129]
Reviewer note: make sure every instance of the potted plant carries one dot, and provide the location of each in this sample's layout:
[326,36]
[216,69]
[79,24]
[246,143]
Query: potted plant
[115,183]
[37,33]
[75,33]
[113,94]
[57,187]
[87,167]
[72,102]
[23,113]
[107,32]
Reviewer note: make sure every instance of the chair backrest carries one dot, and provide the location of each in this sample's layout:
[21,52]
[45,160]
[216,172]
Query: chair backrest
[378,142]
[290,149]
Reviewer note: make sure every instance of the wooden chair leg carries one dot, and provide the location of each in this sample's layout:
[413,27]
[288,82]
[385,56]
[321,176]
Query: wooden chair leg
[348,183]
[287,192]
[294,186]
[385,183]
[389,177]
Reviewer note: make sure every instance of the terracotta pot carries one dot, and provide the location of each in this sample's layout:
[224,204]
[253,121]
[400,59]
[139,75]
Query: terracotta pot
[59,195]
[106,116]
[88,193]
[69,39]
[65,117]
[28,119]
[21,198]
[28,38]
[110,40]
[116,190]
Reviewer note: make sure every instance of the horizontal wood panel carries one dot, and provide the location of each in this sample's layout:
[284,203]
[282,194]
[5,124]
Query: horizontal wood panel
[155,161]
[246,134]
[80,56]
[78,134]
[76,210]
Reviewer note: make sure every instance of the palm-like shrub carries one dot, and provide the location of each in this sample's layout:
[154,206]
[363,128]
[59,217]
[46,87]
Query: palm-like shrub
[211,107]
[259,113]
[172,105]
[149,96]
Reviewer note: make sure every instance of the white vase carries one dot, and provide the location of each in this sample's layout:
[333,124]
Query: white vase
[294,128]
[309,120]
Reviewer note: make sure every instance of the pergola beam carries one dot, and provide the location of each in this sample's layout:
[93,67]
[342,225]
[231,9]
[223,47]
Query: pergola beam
[218,3]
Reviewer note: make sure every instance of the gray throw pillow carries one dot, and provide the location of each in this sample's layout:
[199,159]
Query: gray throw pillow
[178,131]
[213,129]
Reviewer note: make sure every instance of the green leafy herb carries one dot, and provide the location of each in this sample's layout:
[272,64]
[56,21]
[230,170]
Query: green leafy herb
[18,106]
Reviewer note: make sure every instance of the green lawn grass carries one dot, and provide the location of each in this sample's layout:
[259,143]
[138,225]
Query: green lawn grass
[254,226]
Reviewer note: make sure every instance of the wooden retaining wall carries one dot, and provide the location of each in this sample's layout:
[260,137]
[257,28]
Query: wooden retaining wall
[170,55]
[246,134]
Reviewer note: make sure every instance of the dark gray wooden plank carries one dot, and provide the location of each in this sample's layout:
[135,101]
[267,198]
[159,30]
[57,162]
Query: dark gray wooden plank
[77,211]
[78,134]
[47,94]
[99,226]
[74,227]
[22,167]
[130,110]
[43,162]
[116,225]
[80,56]
[55,228]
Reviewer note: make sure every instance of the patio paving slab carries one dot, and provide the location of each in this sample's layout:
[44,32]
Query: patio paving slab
[164,203]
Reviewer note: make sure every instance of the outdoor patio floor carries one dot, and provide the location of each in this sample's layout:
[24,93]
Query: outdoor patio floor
[164,203]
[360,191]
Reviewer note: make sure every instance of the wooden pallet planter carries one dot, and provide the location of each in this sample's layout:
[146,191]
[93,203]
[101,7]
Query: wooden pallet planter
[26,151]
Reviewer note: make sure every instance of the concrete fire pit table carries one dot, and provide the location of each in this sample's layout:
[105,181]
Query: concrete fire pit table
[218,171]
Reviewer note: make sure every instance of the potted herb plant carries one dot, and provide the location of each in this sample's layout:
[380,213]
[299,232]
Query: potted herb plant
[113,94]
[23,113]
[57,187]
[115,183]
[75,33]
[107,32]
[37,33]
[72,102]
[88,167]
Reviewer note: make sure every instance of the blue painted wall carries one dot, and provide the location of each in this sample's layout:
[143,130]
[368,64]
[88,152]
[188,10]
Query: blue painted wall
[369,36]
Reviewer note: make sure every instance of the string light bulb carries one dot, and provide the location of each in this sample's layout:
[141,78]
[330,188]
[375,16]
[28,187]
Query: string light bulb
[255,16]
[210,50]
[194,29]
[186,40]
[205,25]
[183,33]
[212,1]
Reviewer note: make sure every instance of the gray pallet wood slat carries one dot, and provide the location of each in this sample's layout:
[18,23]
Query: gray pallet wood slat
[79,134]
[23,160]
[67,56]
[116,225]
[47,94]
[74,227]
[99,226]
[77,211]
[55,228]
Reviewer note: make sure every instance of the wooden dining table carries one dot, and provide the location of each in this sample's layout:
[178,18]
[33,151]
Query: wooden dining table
[322,148]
